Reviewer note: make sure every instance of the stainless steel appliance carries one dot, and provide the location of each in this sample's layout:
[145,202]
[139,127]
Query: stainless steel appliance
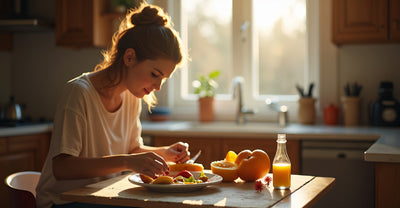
[344,161]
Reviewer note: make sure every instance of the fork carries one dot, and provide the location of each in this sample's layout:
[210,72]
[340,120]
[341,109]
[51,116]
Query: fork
[191,161]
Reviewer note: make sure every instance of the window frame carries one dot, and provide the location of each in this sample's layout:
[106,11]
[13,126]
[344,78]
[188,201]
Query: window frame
[225,105]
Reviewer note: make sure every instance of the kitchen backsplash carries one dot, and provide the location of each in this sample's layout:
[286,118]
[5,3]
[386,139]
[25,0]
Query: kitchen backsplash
[368,65]
[39,71]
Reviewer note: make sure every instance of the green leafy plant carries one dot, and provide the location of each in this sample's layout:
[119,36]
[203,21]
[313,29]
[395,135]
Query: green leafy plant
[206,86]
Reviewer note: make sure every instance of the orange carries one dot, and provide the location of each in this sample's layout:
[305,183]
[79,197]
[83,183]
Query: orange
[163,180]
[226,169]
[185,166]
[145,178]
[231,156]
[252,165]
[242,155]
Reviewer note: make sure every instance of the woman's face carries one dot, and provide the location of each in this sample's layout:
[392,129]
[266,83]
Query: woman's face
[147,76]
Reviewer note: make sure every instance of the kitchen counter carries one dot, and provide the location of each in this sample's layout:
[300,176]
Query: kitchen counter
[26,129]
[385,149]
[260,130]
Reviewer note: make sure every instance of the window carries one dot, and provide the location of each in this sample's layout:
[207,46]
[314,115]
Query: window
[264,41]
[280,37]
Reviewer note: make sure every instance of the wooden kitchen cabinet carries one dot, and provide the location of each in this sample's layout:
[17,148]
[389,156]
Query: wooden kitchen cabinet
[394,20]
[85,23]
[216,148]
[6,41]
[387,183]
[21,153]
[361,21]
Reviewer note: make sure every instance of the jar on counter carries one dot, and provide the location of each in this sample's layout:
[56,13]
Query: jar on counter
[331,114]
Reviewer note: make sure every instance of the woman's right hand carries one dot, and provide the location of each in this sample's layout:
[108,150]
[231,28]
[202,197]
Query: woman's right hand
[148,163]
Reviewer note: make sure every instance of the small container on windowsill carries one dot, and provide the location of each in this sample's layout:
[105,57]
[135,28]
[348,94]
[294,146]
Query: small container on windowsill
[159,114]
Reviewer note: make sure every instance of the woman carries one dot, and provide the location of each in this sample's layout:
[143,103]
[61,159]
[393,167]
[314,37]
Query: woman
[96,127]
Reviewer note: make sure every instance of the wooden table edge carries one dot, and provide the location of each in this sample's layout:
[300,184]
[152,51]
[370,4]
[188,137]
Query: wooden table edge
[318,187]
[305,196]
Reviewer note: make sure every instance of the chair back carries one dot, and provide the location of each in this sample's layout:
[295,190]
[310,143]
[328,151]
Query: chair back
[22,188]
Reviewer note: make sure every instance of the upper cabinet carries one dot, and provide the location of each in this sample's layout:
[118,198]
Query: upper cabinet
[6,41]
[365,21]
[85,23]
[394,19]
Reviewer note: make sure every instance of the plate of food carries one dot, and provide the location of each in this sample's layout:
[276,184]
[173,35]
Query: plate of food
[182,181]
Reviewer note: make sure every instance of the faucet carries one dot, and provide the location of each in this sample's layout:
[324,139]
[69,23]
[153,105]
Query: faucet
[282,111]
[237,93]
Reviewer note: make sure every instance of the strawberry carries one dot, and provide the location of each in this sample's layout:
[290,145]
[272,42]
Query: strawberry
[184,173]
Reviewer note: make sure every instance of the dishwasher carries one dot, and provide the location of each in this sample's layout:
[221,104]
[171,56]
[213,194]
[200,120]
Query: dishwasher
[343,160]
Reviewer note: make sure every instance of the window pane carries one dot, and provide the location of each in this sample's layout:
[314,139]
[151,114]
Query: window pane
[281,42]
[209,40]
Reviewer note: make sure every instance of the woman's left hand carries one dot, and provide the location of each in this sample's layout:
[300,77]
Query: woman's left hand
[178,152]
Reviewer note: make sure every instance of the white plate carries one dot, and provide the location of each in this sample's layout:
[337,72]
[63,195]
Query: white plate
[212,179]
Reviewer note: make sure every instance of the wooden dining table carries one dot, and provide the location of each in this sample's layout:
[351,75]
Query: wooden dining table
[305,191]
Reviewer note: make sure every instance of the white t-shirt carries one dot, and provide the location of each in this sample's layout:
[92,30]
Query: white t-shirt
[84,128]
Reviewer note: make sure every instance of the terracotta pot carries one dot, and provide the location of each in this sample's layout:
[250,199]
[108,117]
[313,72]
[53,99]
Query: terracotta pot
[307,110]
[331,114]
[351,110]
[206,109]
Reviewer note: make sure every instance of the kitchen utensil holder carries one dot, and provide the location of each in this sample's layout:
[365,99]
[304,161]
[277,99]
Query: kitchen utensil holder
[306,110]
[351,110]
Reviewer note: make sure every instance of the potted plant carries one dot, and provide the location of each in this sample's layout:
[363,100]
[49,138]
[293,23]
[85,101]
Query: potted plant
[205,88]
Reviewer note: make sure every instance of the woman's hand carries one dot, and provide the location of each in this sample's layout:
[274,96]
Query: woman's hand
[178,152]
[67,167]
[148,163]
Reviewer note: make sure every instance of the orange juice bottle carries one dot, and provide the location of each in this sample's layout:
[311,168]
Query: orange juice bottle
[281,166]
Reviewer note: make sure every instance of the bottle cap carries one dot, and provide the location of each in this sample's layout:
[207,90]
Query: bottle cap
[281,138]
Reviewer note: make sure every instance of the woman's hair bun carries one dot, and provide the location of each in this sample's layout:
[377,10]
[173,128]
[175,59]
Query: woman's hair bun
[149,16]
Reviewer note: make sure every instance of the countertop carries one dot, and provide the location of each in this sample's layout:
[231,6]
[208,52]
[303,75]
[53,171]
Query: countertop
[385,149]
[26,129]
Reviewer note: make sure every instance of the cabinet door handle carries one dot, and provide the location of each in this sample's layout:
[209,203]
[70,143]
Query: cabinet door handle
[341,155]
[395,24]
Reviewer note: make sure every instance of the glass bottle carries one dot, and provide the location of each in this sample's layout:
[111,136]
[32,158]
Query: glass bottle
[281,166]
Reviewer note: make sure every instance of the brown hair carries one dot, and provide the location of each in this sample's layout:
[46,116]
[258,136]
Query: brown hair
[148,31]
